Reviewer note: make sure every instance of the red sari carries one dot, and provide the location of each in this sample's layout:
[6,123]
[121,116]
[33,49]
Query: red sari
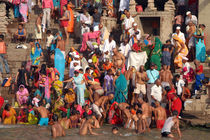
[114,115]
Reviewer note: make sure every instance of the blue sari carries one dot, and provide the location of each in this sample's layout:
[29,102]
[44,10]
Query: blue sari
[200,49]
[59,63]
[35,56]
[121,90]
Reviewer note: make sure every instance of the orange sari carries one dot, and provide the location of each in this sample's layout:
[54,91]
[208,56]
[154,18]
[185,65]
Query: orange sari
[70,27]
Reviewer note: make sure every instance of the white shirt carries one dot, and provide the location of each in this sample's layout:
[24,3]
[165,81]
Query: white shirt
[180,35]
[129,22]
[125,49]
[85,19]
[156,92]
[49,40]
[138,36]
[124,4]
[72,68]
[193,19]
[109,46]
[179,86]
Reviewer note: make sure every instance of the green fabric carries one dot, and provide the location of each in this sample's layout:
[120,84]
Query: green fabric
[121,90]
[68,113]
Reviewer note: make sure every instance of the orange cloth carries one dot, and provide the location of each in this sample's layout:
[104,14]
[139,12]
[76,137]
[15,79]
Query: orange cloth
[70,27]
[107,67]
[2,48]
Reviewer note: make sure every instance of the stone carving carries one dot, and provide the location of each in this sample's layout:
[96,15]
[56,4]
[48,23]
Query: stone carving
[169,6]
[3,18]
[151,6]
[132,7]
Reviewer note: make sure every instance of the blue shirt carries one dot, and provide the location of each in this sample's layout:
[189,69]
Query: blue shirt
[153,75]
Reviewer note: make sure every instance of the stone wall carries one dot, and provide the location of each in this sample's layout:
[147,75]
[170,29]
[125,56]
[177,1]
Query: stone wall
[3,18]
[204,18]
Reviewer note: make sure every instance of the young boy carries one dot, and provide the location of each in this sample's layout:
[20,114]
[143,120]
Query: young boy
[44,114]
[57,130]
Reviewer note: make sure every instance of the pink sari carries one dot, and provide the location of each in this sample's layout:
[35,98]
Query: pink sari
[23,8]
[86,36]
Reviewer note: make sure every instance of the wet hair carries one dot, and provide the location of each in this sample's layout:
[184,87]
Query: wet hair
[168,41]
[167,88]
[55,117]
[175,113]
[6,107]
[2,36]
[48,32]
[115,128]
[177,76]
[138,112]
[63,114]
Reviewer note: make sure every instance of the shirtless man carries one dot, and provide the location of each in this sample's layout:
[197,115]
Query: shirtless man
[57,130]
[99,106]
[169,123]
[87,125]
[146,111]
[140,82]
[160,115]
[118,59]
[65,123]
[125,111]
[44,114]
[165,77]
[61,45]
[142,124]
[97,89]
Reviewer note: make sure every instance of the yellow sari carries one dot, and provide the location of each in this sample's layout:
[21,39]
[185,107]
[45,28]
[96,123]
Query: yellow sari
[182,51]
[9,116]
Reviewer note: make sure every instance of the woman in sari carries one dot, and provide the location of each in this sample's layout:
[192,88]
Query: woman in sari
[70,27]
[79,81]
[200,48]
[191,40]
[22,95]
[9,115]
[199,75]
[16,8]
[23,8]
[181,51]
[156,54]
[58,85]
[121,90]
[188,73]
[114,114]
[36,53]
[110,7]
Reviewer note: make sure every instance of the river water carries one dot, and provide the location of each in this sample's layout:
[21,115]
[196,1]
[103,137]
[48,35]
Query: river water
[29,132]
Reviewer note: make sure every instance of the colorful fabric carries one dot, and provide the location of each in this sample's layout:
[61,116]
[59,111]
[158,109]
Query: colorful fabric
[182,52]
[35,55]
[22,95]
[70,27]
[1,102]
[198,81]
[56,85]
[176,105]
[156,54]
[16,11]
[189,76]
[114,115]
[23,9]
[59,62]
[121,90]
[9,116]
[200,49]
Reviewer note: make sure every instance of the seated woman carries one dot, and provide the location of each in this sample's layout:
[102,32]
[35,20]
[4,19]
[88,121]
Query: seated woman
[22,95]
[188,73]
[70,96]
[20,34]
[22,118]
[9,115]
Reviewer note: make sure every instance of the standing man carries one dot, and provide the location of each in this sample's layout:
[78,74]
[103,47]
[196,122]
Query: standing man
[179,34]
[109,45]
[153,75]
[190,17]
[156,92]
[47,6]
[3,49]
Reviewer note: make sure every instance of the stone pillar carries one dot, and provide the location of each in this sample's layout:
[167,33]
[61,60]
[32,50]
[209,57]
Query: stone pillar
[132,7]
[151,6]
[3,18]
[169,6]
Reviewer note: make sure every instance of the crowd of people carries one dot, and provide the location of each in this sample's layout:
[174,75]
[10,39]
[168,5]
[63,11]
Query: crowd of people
[103,83]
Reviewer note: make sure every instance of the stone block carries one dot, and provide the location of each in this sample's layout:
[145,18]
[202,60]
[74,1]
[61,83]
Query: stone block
[204,98]
[189,105]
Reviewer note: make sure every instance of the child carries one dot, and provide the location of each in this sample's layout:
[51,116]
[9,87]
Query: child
[36,100]
[115,130]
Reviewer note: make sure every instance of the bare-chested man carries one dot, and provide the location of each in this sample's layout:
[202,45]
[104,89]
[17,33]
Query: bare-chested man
[65,123]
[125,111]
[146,111]
[44,114]
[118,59]
[140,82]
[165,77]
[61,45]
[99,105]
[160,115]
[97,89]
[57,130]
[87,125]
[142,124]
